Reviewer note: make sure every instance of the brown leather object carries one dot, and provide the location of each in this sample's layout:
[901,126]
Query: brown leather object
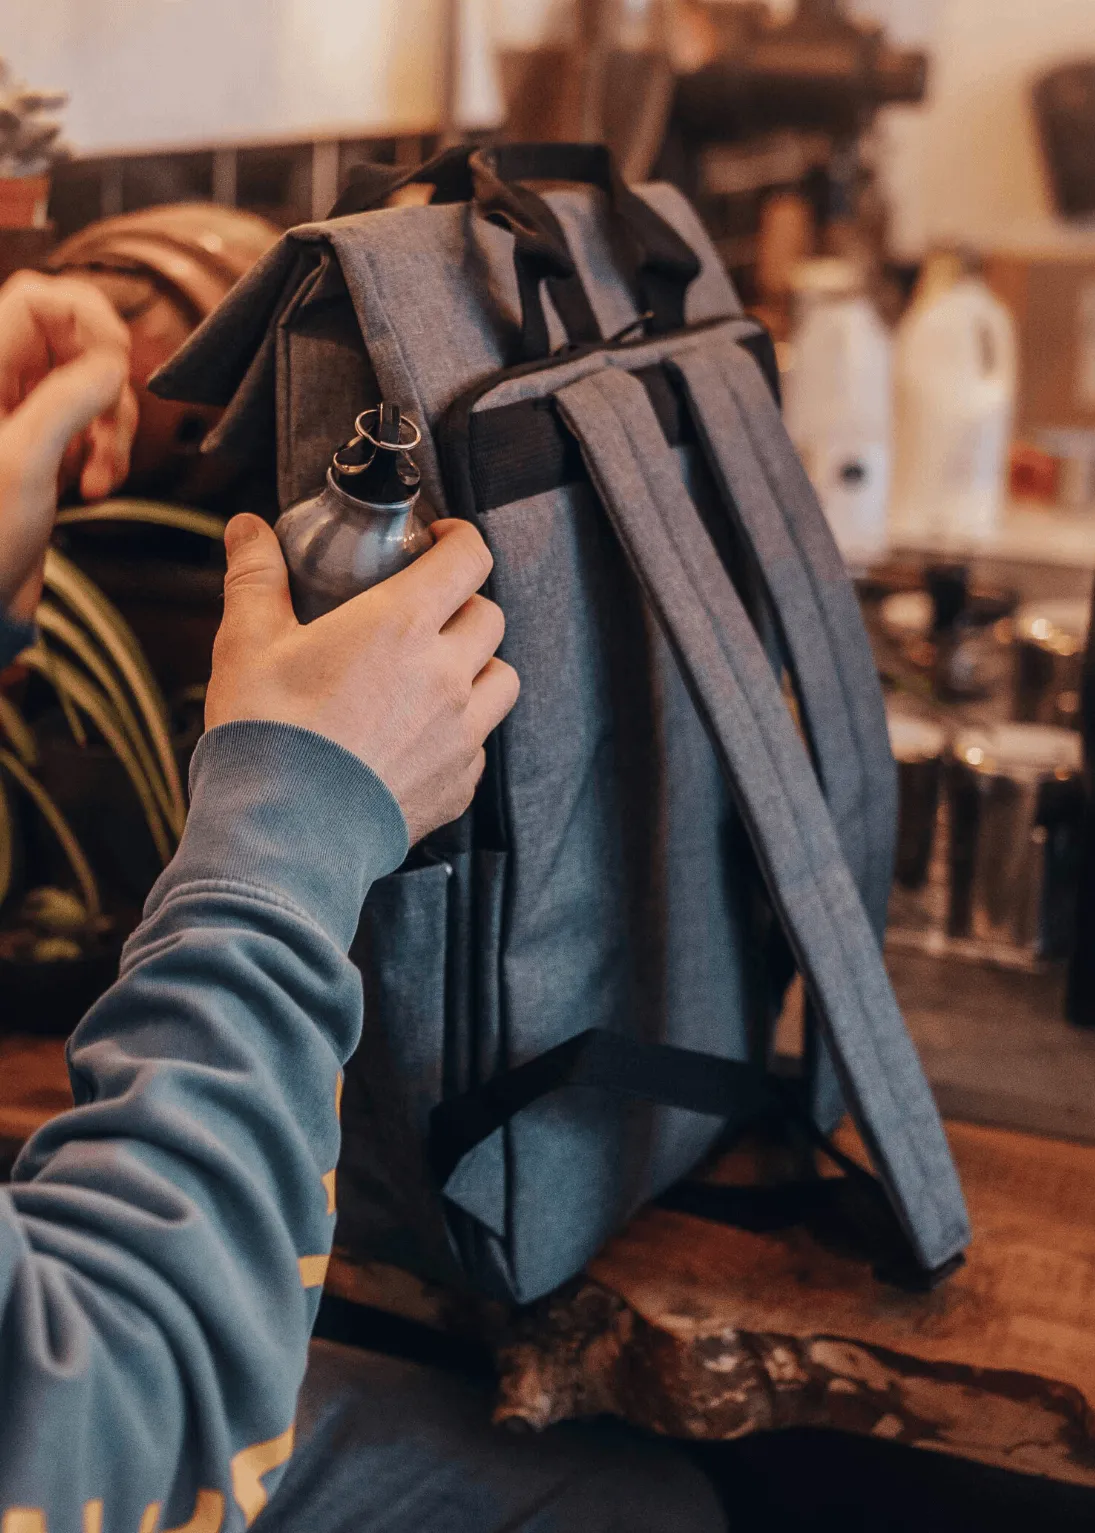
[164,269]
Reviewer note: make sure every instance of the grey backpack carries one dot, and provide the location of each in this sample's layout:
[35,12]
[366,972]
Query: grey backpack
[570,993]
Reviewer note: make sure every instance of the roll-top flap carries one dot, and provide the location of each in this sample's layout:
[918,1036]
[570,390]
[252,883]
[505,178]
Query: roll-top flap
[435,303]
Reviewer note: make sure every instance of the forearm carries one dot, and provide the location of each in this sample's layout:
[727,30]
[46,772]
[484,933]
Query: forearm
[162,1246]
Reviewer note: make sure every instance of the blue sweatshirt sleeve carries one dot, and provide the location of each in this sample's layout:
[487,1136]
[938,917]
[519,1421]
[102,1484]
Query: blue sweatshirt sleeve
[163,1246]
[13,638]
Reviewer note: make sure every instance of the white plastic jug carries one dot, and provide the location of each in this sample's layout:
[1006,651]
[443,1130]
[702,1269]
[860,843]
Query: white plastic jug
[837,395]
[954,377]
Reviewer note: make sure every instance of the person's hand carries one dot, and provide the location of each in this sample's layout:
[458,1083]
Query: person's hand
[404,675]
[66,410]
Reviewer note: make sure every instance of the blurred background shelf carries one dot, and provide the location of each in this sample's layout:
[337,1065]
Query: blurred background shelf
[1029,533]
[995,1043]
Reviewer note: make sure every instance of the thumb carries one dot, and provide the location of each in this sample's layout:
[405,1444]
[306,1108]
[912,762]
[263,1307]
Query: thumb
[256,585]
[63,405]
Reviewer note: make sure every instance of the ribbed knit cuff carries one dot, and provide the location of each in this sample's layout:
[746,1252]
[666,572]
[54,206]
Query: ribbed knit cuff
[287,810]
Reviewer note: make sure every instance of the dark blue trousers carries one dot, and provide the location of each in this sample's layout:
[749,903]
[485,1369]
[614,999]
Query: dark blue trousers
[386,1446]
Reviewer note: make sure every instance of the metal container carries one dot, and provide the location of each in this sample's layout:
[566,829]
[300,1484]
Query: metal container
[960,637]
[1016,802]
[366,524]
[918,745]
[1049,655]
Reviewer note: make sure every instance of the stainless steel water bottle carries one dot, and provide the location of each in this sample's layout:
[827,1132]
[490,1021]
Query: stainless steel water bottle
[365,524]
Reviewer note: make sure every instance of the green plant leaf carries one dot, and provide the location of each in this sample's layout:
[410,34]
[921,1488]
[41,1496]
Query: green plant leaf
[72,718]
[96,705]
[103,620]
[7,842]
[153,513]
[61,829]
[51,620]
[18,732]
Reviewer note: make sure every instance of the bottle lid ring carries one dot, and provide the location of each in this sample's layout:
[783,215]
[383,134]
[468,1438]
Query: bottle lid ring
[401,446]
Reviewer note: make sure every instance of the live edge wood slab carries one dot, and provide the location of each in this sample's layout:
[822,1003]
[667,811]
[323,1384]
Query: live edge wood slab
[697,1330]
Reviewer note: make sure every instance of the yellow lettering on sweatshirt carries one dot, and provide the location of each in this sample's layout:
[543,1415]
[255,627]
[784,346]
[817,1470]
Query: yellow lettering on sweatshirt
[23,1519]
[313,1270]
[208,1514]
[249,1466]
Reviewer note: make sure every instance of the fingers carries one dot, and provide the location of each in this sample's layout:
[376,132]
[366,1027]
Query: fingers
[24,603]
[49,320]
[496,690]
[454,800]
[475,632]
[446,576]
[46,323]
[33,439]
[109,441]
[256,585]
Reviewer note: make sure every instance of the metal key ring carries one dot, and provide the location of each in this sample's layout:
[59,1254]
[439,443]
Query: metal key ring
[401,445]
[351,468]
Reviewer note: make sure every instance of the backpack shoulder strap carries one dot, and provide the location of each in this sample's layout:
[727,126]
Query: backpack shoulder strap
[724,664]
[769,497]
[768,494]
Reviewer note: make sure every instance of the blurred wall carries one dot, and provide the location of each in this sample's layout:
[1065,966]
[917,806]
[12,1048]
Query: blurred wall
[177,73]
[181,73]
[969,164]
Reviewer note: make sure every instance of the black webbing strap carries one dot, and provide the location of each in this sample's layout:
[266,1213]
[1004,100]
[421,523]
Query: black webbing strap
[850,1210]
[853,1207]
[372,184]
[605,1061]
[657,263]
[540,252]
[734,1090]
[519,450]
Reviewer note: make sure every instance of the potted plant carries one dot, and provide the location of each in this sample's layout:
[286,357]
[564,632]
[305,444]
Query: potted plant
[30,144]
[92,766]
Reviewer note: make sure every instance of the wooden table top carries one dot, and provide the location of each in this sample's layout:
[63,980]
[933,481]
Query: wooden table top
[700,1330]
[33,1088]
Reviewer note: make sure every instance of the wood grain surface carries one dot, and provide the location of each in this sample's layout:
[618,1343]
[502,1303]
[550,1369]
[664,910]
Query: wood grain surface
[33,1088]
[702,1331]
